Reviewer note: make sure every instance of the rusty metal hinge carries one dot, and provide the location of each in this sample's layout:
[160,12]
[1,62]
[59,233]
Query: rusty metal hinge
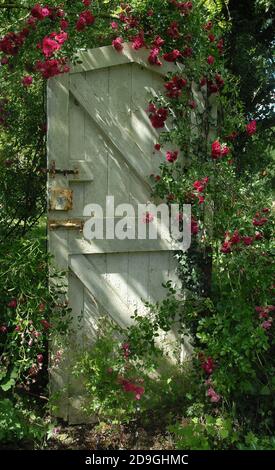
[57,171]
[71,224]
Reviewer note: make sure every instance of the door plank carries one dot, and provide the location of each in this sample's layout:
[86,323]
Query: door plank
[120,137]
[107,56]
[88,273]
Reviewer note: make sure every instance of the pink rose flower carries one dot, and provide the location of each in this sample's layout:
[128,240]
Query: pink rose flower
[27,81]
[214,397]
[117,44]
[251,127]
[171,157]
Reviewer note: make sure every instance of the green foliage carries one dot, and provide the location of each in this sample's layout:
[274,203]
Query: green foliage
[123,384]
[255,442]
[101,367]
[218,433]
[231,397]
[18,423]
[30,312]
[235,337]
[204,434]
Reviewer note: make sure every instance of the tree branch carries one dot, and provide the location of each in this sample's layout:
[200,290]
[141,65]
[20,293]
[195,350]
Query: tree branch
[262,92]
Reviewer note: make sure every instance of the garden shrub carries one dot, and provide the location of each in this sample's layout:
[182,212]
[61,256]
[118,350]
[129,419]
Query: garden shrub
[30,312]
[19,423]
[122,386]
[226,302]
[217,433]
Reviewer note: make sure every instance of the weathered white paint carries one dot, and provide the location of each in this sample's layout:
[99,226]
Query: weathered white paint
[97,122]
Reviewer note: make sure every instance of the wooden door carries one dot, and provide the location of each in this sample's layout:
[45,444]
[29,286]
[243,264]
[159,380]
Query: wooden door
[100,143]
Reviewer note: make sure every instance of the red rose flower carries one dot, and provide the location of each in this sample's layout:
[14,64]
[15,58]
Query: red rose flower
[208,26]
[172,56]
[158,116]
[51,68]
[219,80]
[153,58]
[213,87]
[220,46]
[131,387]
[258,222]
[226,247]
[225,150]
[194,226]
[208,365]
[138,41]
[214,396]
[40,358]
[267,324]
[158,42]
[170,197]
[174,87]
[27,81]
[173,30]
[235,238]
[171,157]
[187,51]
[45,324]
[85,19]
[60,13]
[258,236]
[216,149]
[198,186]
[64,24]
[151,108]
[251,127]
[219,150]
[210,60]
[126,349]
[12,303]
[247,240]
[117,44]
[31,21]
[40,12]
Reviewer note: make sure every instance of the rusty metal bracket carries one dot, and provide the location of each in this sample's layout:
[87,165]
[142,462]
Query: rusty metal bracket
[69,224]
[57,171]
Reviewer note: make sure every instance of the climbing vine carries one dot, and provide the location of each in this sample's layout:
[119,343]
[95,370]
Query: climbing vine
[226,274]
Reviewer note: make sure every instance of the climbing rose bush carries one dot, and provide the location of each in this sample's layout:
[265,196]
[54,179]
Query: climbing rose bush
[30,315]
[227,272]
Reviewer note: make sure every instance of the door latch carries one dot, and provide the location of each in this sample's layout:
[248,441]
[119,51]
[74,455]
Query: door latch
[58,171]
[69,224]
